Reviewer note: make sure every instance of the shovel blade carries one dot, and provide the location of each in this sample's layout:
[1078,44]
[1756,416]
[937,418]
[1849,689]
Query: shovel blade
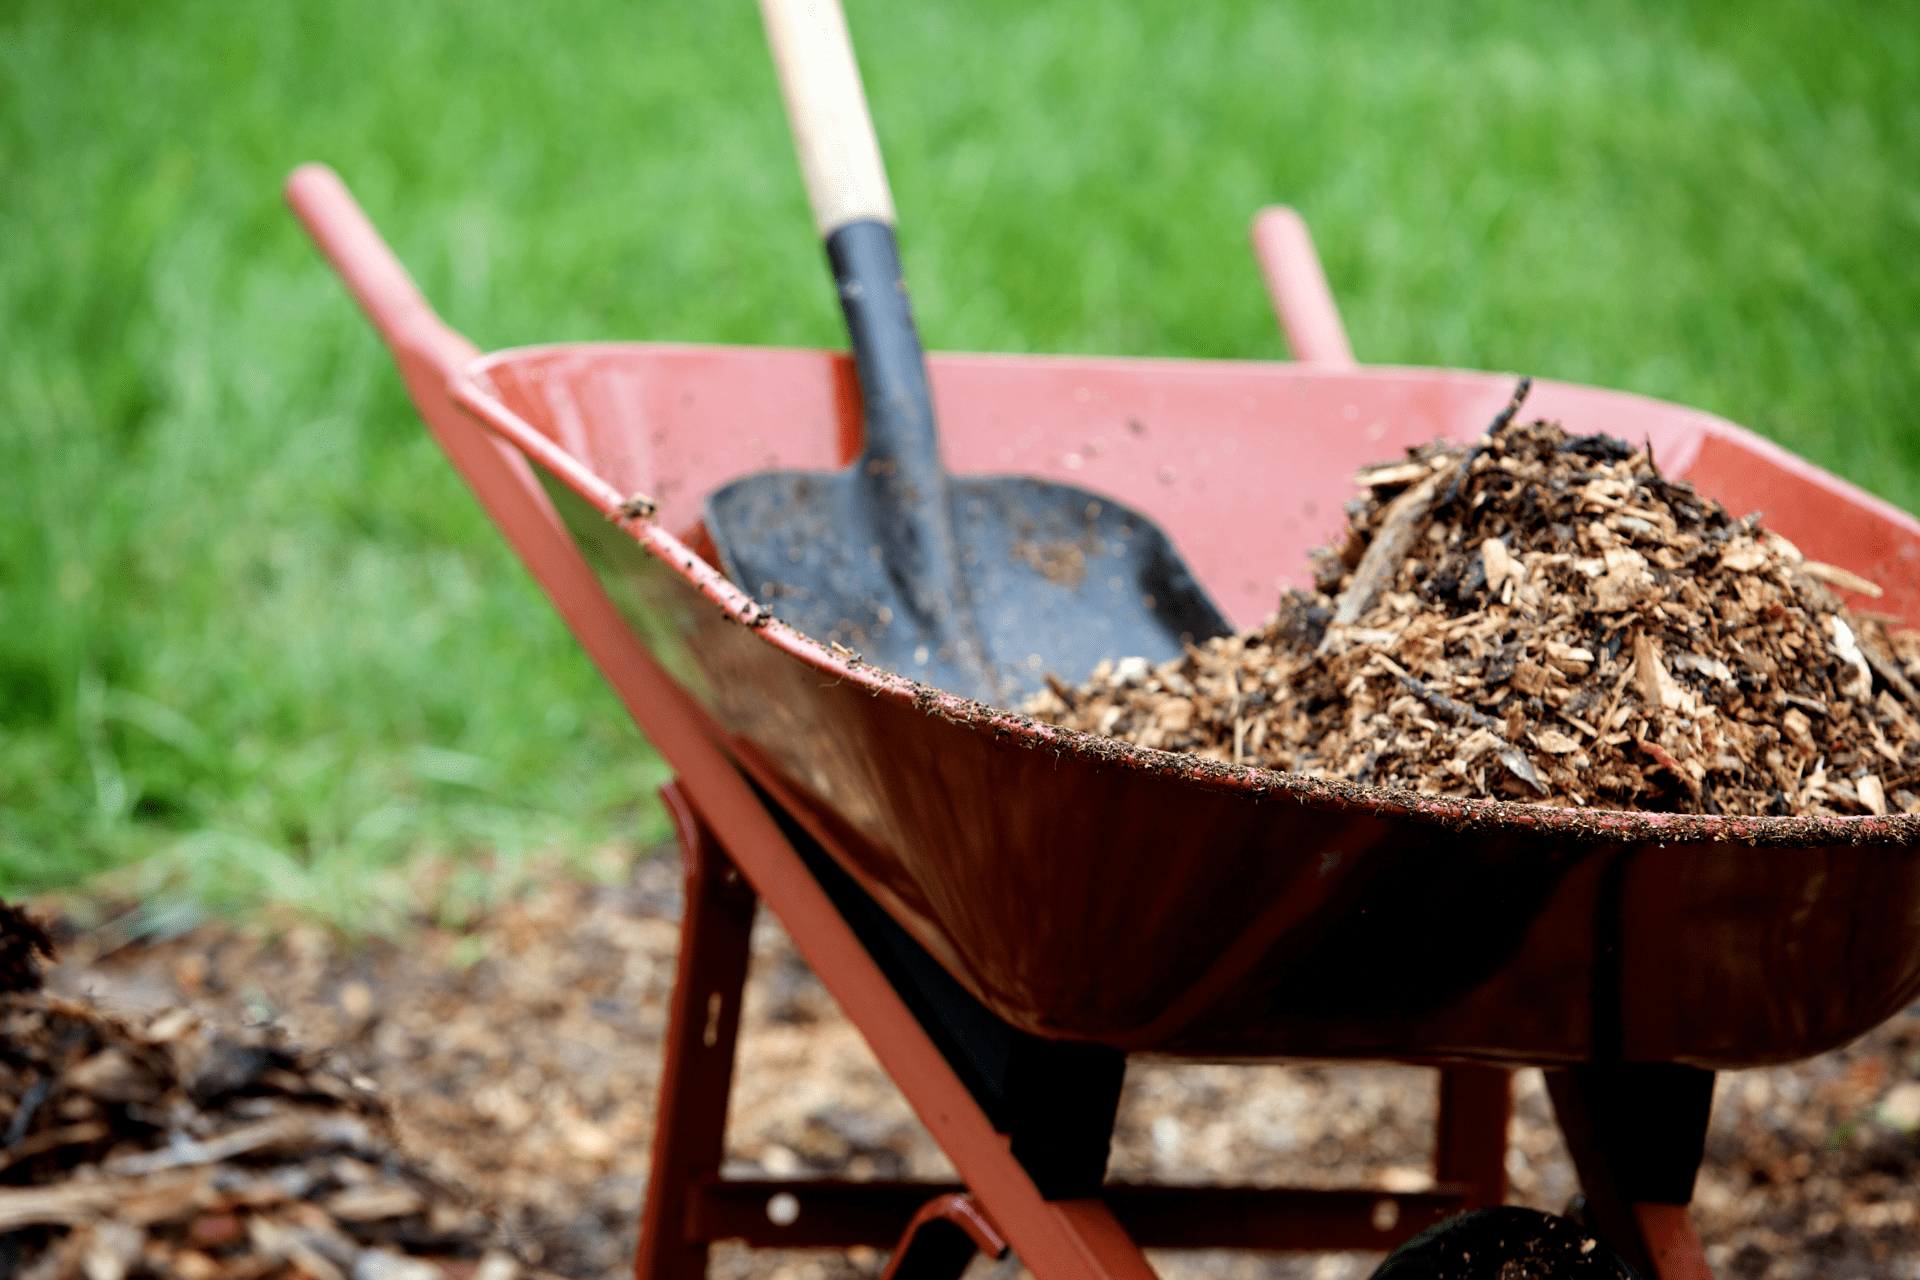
[1054,579]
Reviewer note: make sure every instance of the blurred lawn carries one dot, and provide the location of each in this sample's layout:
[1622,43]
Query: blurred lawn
[256,639]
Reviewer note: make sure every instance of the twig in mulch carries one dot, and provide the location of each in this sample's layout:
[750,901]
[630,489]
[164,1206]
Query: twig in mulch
[1499,423]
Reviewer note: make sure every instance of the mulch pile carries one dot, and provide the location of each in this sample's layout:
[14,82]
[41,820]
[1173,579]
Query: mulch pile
[163,1148]
[1547,618]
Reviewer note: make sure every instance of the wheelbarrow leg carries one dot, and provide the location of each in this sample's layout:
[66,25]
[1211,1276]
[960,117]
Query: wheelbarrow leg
[690,1124]
[1637,1132]
[1470,1150]
[1075,1238]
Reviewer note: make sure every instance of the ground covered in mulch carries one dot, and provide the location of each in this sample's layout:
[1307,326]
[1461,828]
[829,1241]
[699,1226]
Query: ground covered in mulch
[517,1062]
[1548,618]
[167,1144]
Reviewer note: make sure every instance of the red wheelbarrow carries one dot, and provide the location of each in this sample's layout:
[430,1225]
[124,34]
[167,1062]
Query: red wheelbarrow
[1007,909]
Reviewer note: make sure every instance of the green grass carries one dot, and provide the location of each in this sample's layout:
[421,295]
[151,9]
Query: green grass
[256,643]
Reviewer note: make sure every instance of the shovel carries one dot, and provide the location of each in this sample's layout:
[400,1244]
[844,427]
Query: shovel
[982,587]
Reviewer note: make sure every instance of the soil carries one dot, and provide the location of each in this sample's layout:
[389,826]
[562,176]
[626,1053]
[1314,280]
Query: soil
[1546,618]
[519,1059]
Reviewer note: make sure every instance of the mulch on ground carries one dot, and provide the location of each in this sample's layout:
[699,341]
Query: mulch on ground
[1547,618]
[518,1062]
[165,1145]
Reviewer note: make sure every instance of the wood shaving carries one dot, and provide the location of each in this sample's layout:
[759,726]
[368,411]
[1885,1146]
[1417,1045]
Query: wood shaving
[1547,618]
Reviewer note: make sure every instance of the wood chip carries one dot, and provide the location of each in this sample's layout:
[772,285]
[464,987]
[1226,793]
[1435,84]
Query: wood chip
[1834,576]
[1873,793]
[372,1203]
[1657,687]
[1393,473]
[303,1128]
[65,1203]
[1398,525]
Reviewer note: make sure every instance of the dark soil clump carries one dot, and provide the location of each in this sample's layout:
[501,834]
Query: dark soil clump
[1547,618]
[23,946]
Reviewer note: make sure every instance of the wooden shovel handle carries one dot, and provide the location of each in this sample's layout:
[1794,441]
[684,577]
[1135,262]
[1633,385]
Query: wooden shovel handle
[839,155]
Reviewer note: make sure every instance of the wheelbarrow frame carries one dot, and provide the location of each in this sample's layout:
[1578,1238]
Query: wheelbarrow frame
[1636,1133]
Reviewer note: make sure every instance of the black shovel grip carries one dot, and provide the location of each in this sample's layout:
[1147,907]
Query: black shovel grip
[886,350]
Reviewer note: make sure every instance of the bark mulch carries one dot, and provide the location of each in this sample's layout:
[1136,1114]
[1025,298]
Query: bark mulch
[162,1145]
[1547,618]
[518,1060]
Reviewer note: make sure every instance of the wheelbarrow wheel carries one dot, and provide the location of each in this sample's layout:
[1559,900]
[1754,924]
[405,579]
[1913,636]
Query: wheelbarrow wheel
[1506,1243]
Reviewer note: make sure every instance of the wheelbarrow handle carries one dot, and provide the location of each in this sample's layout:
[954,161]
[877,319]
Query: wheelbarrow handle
[832,129]
[378,282]
[1297,283]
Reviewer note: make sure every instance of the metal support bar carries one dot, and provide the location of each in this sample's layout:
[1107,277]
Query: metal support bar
[816,1214]
[827,1214]
[702,1024]
[1470,1148]
[1280,1219]
[1673,1246]
[1636,1131]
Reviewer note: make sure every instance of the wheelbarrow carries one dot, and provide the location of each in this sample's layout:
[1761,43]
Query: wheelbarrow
[1007,910]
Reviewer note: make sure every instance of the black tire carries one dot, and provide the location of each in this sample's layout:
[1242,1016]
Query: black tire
[1508,1243]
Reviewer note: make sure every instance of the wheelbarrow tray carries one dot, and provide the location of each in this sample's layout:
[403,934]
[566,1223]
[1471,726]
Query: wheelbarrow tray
[1083,888]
